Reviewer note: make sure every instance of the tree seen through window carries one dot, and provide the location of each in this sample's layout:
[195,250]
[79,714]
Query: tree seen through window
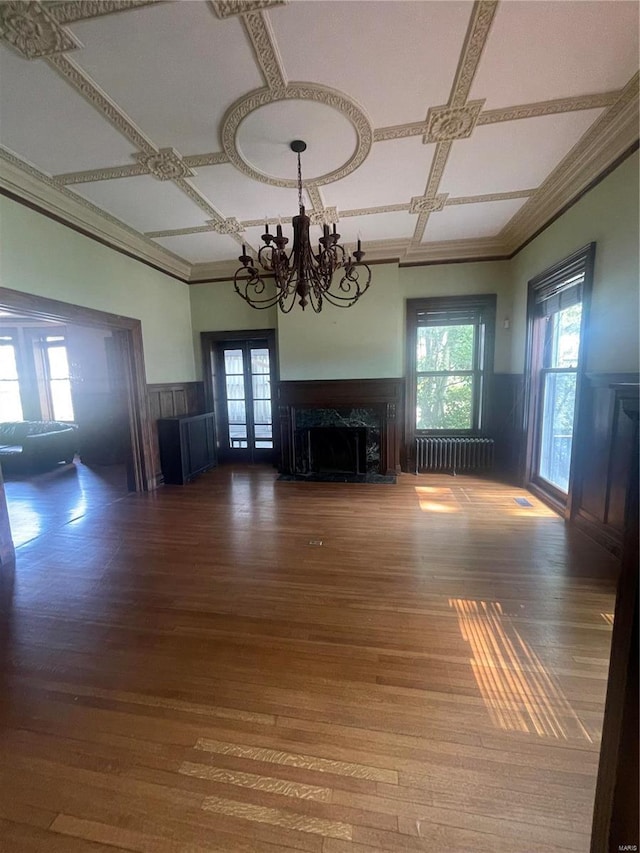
[444,364]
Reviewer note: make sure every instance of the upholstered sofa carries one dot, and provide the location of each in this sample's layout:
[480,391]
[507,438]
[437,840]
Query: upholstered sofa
[27,446]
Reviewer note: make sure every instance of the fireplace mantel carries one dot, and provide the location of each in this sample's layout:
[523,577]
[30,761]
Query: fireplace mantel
[384,396]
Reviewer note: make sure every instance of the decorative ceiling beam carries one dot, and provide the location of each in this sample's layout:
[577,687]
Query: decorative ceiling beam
[81,10]
[457,118]
[32,30]
[433,182]
[108,174]
[111,173]
[474,43]
[92,93]
[259,30]
[215,158]
[228,8]
[547,108]
[539,108]
[480,199]
[36,30]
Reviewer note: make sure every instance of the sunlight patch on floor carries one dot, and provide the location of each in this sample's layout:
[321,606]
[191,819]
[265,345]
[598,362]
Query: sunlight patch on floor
[519,693]
[608,618]
[436,499]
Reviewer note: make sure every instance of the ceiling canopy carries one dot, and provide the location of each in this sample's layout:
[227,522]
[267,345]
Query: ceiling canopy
[435,130]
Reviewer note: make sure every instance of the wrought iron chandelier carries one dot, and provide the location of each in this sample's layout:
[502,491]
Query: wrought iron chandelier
[300,272]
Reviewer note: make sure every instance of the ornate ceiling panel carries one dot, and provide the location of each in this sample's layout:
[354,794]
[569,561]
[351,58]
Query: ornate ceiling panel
[382,226]
[144,203]
[486,162]
[437,130]
[202,248]
[389,61]
[543,50]
[407,160]
[41,115]
[181,69]
[251,200]
[466,221]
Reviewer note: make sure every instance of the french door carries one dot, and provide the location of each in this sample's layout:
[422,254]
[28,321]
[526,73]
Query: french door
[244,379]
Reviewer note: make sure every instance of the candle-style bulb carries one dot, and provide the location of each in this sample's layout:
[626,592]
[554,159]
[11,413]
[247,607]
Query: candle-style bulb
[279,230]
[266,227]
[334,227]
[244,249]
[359,245]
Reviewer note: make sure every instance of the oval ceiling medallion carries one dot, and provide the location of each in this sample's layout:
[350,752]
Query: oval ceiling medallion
[258,128]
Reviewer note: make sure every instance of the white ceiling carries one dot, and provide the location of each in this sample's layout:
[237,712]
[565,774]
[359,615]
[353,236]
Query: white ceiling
[434,129]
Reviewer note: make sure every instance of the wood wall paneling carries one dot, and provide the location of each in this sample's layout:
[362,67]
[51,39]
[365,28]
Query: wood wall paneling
[607,439]
[615,814]
[504,423]
[172,400]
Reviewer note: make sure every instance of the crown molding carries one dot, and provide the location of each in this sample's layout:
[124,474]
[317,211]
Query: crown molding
[485,248]
[24,182]
[613,134]
[214,271]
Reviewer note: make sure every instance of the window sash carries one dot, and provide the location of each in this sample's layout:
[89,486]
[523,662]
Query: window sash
[474,310]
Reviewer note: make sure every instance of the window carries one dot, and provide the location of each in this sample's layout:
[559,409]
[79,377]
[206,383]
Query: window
[555,330]
[10,403]
[450,355]
[57,377]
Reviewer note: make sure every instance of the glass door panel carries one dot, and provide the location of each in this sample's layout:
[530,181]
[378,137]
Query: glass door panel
[261,391]
[558,407]
[244,388]
[558,383]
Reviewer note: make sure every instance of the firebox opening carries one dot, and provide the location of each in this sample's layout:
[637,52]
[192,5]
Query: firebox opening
[337,450]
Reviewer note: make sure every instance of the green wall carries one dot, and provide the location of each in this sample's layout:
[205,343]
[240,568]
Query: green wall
[366,341]
[216,307]
[42,257]
[607,215]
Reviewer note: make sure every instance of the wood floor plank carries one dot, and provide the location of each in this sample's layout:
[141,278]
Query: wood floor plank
[183,672]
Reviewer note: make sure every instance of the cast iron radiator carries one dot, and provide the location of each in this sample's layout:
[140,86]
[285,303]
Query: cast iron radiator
[453,454]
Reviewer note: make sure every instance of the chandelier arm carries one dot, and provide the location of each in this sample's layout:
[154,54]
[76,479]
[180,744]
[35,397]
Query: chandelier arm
[252,280]
[351,286]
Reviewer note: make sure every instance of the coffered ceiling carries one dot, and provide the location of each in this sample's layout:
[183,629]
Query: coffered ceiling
[435,130]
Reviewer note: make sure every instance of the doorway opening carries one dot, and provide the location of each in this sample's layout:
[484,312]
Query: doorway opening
[124,354]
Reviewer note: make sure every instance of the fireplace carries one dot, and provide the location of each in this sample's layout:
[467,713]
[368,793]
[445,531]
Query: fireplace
[336,450]
[361,417]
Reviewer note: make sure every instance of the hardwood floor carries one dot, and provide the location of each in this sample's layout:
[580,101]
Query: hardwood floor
[50,499]
[242,664]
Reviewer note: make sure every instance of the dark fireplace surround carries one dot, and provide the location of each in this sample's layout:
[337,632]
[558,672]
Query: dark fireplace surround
[340,426]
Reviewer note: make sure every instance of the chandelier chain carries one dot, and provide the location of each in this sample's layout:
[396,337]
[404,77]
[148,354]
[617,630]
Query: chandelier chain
[299,181]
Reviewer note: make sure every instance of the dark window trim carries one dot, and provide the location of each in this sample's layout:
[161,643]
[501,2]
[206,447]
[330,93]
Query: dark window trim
[486,302]
[582,259]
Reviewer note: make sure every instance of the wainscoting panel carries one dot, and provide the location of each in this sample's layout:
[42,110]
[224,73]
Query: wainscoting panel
[607,437]
[172,400]
[504,424]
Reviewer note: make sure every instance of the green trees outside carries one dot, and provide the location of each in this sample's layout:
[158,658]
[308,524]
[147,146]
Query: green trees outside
[444,359]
